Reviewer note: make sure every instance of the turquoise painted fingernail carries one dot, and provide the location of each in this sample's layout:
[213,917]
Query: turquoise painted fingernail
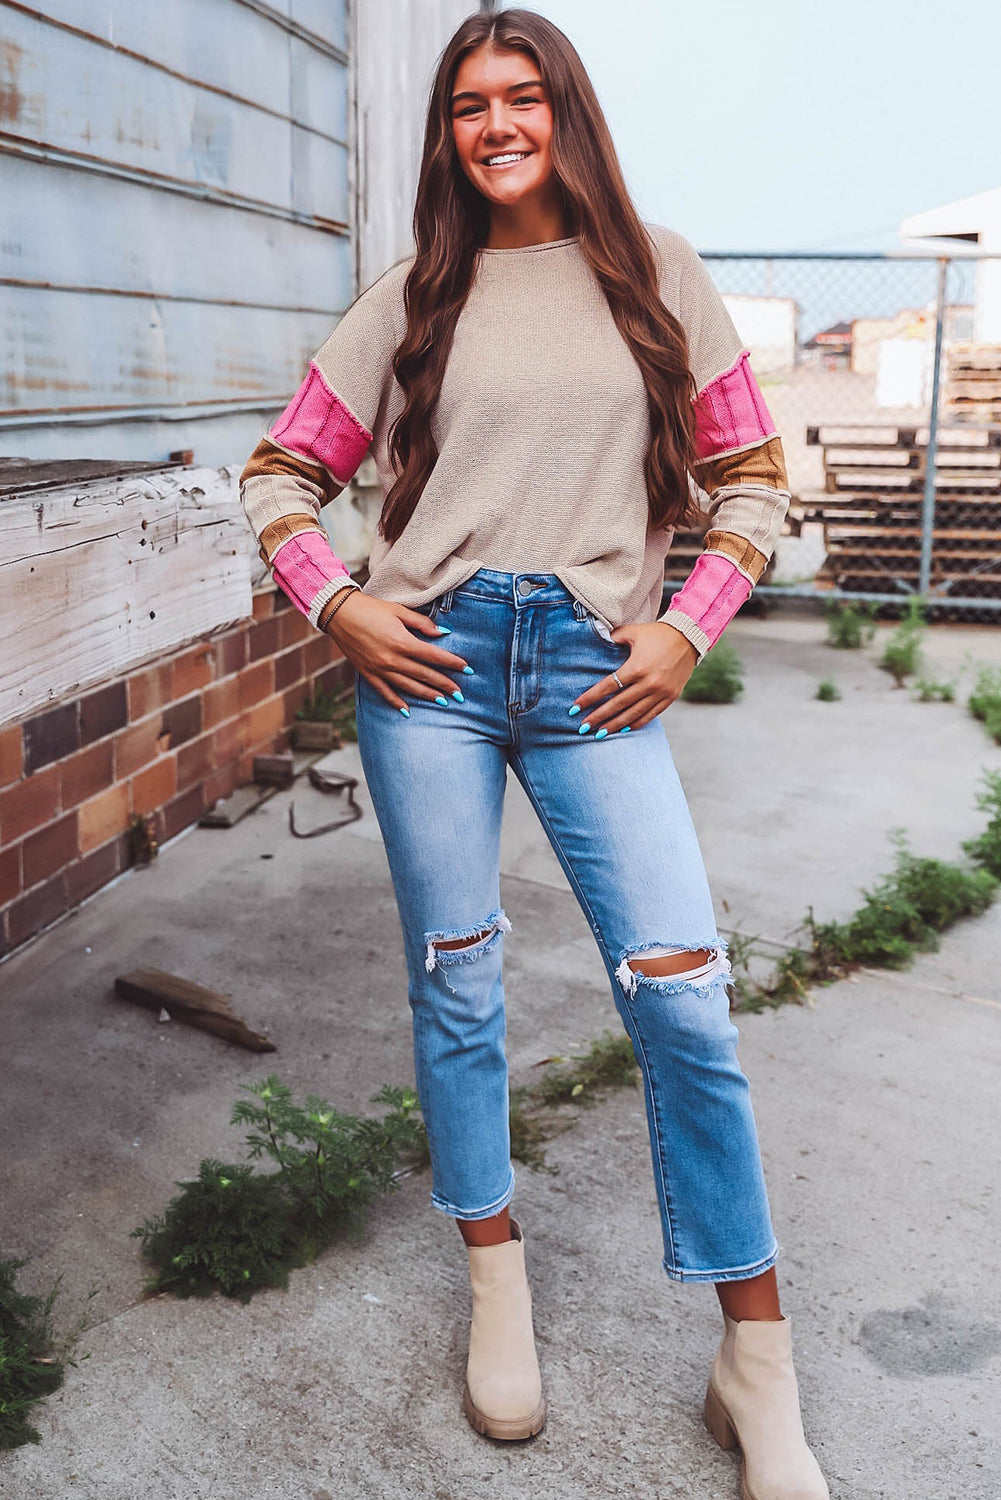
[469,671]
[444,630]
[458,696]
[442,701]
[583,729]
[601,733]
[405,712]
[626,729]
[574,710]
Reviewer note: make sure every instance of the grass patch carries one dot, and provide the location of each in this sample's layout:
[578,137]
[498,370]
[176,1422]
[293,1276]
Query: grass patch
[828,691]
[849,625]
[32,1360]
[717,678]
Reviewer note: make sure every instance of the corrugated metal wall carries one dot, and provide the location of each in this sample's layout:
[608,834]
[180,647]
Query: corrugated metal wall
[191,192]
[174,191]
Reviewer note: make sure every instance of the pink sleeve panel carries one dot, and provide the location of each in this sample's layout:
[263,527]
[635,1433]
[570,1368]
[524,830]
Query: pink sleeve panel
[318,426]
[309,571]
[730,412]
[712,594]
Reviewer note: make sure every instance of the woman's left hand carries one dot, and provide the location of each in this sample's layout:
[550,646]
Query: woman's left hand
[659,664]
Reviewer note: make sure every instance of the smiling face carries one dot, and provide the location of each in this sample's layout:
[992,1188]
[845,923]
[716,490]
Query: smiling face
[502,123]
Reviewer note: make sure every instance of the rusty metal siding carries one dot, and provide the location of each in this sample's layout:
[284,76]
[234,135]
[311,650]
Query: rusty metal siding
[175,236]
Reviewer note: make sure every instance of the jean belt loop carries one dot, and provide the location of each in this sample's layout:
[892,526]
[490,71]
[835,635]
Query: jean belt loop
[445,602]
[580,613]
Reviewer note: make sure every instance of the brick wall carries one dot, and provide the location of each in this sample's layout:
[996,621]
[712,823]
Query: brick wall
[168,739]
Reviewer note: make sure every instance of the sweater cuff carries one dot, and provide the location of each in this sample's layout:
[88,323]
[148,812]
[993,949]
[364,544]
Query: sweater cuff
[707,602]
[688,629]
[310,572]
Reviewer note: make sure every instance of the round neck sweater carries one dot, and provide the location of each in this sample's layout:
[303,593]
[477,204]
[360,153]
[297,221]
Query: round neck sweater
[541,428]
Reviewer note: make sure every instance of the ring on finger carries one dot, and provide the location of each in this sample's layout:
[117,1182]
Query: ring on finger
[618,679]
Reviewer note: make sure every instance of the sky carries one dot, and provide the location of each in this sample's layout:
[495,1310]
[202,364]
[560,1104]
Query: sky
[793,124]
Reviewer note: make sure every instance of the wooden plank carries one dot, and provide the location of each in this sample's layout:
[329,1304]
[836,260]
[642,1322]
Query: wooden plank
[191,1003]
[945,484]
[866,435]
[98,577]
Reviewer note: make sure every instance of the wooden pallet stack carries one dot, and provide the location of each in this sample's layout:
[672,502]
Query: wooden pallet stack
[972,389]
[871,508]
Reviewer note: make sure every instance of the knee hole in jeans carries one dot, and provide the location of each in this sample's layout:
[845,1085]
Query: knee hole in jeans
[674,966]
[463,945]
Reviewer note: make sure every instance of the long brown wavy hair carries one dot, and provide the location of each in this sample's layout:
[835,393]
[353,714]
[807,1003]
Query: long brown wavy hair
[452,222]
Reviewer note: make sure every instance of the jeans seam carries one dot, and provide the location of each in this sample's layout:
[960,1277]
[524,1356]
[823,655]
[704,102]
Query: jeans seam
[596,929]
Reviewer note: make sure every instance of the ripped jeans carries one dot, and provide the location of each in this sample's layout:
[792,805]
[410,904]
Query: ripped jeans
[616,816]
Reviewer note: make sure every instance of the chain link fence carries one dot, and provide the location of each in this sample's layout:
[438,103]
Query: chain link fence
[884,382]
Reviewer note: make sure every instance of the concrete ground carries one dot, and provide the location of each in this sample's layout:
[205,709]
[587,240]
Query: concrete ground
[876,1110]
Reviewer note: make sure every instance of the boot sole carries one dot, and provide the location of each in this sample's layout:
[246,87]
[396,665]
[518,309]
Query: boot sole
[717,1420]
[507,1429]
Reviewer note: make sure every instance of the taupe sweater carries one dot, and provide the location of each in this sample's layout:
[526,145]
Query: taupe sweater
[541,429]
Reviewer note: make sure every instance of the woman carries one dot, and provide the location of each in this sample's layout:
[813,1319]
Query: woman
[537,384]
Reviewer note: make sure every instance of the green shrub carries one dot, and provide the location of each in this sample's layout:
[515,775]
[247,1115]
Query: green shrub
[905,912]
[239,1231]
[32,1361]
[828,691]
[717,678]
[849,624]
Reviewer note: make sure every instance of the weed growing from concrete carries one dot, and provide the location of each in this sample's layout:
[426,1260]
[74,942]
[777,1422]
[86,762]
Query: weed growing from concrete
[531,1127]
[984,701]
[32,1360]
[609,1063]
[985,849]
[902,654]
[901,916]
[828,691]
[580,1079]
[849,625]
[717,678]
[332,708]
[929,692]
[237,1230]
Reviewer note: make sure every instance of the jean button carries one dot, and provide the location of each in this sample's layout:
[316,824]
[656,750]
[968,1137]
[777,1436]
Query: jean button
[525,586]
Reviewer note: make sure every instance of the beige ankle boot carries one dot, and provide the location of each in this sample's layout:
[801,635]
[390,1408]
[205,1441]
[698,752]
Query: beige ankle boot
[503,1396]
[752,1401]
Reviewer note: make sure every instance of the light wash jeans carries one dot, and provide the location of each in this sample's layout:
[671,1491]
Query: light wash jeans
[616,815]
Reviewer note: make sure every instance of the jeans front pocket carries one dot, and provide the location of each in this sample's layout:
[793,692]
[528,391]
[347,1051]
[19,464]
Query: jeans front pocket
[599,629]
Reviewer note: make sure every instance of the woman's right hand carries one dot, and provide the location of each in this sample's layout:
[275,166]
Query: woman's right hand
[374,636]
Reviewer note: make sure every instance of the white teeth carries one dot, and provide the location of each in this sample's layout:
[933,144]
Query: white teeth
[497,161]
